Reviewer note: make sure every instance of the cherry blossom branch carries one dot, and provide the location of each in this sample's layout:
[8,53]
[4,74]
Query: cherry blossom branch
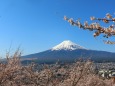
[96,27]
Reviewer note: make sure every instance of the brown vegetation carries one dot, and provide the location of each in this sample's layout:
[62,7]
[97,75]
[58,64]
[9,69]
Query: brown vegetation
[13,73]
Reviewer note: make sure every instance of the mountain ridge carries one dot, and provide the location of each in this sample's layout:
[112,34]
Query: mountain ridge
[67,45]
[69,51]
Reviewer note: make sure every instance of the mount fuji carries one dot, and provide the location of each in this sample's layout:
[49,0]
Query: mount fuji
[67,45]
[67,51]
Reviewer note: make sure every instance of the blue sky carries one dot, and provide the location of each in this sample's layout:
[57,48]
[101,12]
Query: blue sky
[38,25]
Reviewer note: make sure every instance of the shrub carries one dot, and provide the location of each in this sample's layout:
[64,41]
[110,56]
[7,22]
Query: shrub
[13,73]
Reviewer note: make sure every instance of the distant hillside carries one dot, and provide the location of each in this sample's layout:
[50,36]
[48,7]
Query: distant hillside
[69,51]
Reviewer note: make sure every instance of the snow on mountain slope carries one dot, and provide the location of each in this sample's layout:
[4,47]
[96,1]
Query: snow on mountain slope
[67,45]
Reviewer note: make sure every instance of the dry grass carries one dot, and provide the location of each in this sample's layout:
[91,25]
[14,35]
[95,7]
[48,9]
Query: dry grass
[80,73]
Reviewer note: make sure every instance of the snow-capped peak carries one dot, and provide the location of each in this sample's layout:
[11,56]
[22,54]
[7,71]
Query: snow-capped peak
[67,45]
